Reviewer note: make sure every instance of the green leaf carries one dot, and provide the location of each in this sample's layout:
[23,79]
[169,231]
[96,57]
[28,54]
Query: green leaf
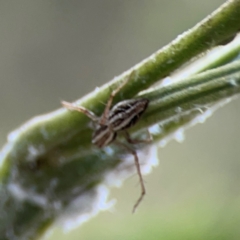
[49,165]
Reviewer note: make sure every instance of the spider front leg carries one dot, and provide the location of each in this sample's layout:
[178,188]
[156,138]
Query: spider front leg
[83,110]
[105,114]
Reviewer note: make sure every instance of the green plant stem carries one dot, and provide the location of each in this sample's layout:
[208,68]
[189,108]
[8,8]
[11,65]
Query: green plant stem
[87,169]
[50,162]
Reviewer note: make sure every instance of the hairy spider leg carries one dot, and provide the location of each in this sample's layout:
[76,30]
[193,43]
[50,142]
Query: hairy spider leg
[105,114]
[83,110]
[143,190]
[136,141]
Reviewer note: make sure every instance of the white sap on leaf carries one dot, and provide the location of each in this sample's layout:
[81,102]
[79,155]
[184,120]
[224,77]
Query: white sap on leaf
[85,207]
[202,118]
[170,60]
[44,133]
[166,81]
[233,82]
[76,190]
[12,136]
[57,205]
[34,152]
[162,143]
[54,182]
[151,153]
[61,159]
[179,135]
[96,89]
[201,109]
[155,129]
[178,109]
[10,233]
[109,150]
[153,58]
[148,158]
[22,195]
[4,152]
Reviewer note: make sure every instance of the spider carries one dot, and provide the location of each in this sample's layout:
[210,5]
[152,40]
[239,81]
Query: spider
[117,119]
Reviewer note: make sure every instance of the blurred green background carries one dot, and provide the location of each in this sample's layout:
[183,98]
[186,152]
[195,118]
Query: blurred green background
[60,50]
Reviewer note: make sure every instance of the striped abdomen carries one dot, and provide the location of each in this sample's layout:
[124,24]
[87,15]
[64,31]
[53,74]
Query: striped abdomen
[126,113]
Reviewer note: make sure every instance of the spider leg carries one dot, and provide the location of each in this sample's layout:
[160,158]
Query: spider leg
[83,110]
[113,94]
[143,191]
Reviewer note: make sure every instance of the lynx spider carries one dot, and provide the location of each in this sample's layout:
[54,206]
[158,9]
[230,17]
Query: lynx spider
[117,119]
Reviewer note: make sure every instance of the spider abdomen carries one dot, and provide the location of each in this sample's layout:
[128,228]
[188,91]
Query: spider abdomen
[126,113]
